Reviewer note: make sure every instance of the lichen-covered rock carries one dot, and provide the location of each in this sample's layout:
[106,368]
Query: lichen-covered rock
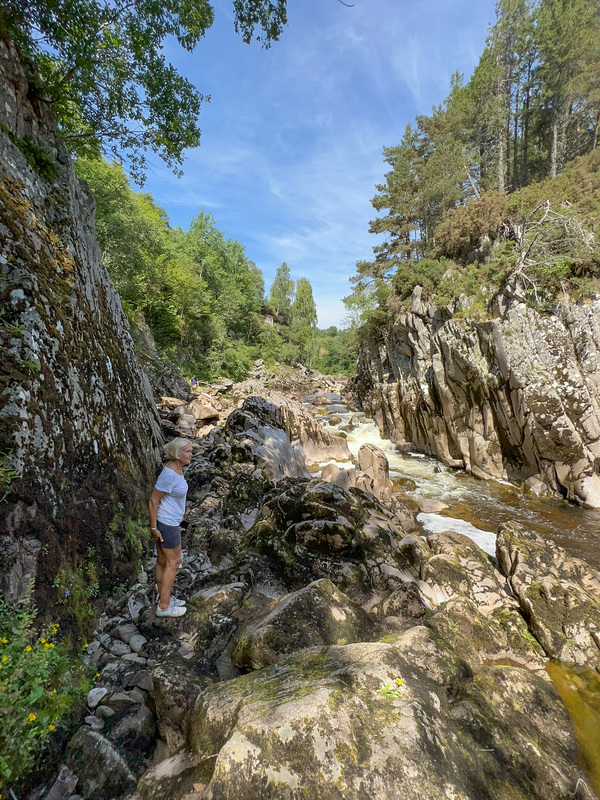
[102,770]
[381,721]
[513,397]
[501,636]
[78,427]
[559,595]
[317,614]
[459,568]
[310,529]
[174,777]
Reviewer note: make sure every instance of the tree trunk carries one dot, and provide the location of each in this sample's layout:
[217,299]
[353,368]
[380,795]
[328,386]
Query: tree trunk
[502,161]
[515,178]
[554,151]
[524,163]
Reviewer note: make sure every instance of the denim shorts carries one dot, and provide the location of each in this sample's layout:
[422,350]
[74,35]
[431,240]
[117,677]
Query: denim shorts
[171,535]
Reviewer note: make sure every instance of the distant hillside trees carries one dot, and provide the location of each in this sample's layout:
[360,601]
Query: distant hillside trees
[197,291]
[531,106]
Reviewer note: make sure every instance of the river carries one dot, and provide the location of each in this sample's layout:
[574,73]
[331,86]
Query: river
[475,507]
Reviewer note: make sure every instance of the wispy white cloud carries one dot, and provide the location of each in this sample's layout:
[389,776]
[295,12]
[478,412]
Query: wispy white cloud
[293,136]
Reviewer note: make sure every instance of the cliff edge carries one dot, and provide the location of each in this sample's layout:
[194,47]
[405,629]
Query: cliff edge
[79,433]
[514,397]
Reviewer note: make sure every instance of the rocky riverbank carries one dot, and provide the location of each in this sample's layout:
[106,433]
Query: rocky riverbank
[514,396]
[329,651]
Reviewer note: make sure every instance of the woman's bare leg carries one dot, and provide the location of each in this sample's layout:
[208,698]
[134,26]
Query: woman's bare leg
[173,560]
[161,563]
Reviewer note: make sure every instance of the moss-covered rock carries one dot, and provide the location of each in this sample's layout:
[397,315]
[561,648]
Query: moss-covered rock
[317,614]
[558,595]
[375,721]
[79,434]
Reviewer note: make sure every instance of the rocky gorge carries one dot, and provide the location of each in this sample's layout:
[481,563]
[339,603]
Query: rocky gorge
[330,650]
[514,396]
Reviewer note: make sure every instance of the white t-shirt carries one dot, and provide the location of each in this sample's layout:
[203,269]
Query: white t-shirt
[171,507]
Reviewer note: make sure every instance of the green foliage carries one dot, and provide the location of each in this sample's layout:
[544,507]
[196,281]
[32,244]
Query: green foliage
[336,351]
[464,180]
[281,295]
[39,683]
[101,64]
[7,475]
[391,690]
[303,313]
[197,291]
[76,585]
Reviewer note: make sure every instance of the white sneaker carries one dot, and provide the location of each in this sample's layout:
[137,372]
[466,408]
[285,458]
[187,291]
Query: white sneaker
[171,611]
[174,600]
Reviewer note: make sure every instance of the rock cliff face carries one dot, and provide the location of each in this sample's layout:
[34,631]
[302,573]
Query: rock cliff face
[78,430]
[514,397]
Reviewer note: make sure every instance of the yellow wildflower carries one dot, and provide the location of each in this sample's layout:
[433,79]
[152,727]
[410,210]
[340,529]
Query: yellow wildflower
[399,681]
[51,727]
[4,658]
[53,691]
[28,649]
[4,640]
[32,718]
[42,640]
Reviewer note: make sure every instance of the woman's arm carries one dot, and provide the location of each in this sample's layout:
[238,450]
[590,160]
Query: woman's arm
[155,499]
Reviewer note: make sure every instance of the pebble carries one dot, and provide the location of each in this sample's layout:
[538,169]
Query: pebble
[95,696]
[104,712]
[137,642]
[124,632]
[104,637]
[119,648]
[94,723]
[135,659]
[92,647]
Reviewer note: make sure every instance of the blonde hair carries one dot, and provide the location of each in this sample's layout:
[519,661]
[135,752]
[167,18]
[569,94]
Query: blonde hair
[174,447]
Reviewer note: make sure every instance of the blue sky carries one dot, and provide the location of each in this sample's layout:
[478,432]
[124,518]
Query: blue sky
[292,137]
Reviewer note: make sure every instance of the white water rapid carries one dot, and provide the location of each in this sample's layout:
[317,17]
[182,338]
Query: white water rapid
[475,507]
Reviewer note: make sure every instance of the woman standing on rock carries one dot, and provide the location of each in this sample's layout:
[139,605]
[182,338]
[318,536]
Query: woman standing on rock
[167,507]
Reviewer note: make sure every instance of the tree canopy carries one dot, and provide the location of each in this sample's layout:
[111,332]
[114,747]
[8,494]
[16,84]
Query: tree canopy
[100,64]
[531,107]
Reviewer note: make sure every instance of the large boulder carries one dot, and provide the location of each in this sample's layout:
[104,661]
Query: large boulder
[558,595]
[317,614]
[79,434]
[310,529]
[384,721]
[301,426]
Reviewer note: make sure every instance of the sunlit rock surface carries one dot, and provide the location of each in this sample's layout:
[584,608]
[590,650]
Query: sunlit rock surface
[515,397]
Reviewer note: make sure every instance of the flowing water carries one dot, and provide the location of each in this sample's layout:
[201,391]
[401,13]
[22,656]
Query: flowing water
[475,507]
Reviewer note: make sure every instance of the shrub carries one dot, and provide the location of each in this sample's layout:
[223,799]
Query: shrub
[39,683]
